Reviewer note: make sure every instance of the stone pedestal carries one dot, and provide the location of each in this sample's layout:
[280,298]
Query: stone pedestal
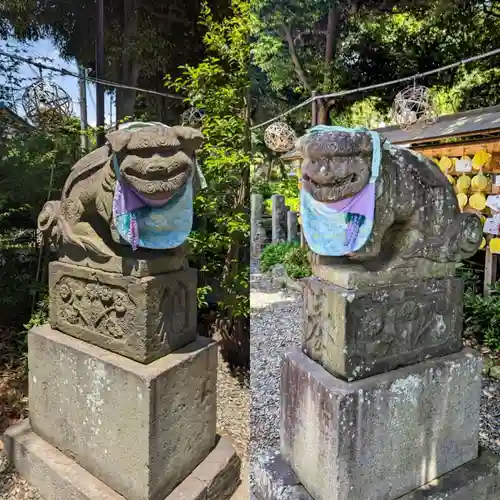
[382,399]
[361,332]
[382,436]
[142,318]
[478,479]
[122,394]
[59,477]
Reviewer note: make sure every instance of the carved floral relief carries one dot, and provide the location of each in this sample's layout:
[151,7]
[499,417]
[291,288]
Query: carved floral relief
[92,305]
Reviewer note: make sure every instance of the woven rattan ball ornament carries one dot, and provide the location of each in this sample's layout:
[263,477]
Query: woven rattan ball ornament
[280,137]
[413,106]
[192,117]
[45,103]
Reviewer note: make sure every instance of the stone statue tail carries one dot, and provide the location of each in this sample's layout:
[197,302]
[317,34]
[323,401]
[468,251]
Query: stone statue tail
[48,219]
[56,229]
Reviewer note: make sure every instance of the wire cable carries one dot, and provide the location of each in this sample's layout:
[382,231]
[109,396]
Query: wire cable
[91,79]
[379,85]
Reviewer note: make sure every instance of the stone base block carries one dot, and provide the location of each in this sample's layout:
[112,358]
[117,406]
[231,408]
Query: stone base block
[349,274]
[380,437]
[140,263]
[141,318]
[58,477]
[140,429]
[358,333]
[476,480]
[274,479]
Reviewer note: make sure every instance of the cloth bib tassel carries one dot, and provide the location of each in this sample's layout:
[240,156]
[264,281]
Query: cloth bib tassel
[355,221]
[134,232]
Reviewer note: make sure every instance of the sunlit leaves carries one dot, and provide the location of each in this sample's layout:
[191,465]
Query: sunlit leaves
[219,85]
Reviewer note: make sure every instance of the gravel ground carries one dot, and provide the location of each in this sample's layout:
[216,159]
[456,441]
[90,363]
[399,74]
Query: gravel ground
[275,329]
[233,408]
[489,432]
[12,485]
[233,414]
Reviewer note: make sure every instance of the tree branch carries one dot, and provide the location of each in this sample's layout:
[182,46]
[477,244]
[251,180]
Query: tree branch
[295,58]
[170,16]
[331,35]
[299,37]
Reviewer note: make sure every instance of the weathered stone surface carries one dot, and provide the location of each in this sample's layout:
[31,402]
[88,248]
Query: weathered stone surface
[256,206]
[58,477]
[220,472]
[55,475]
[154,160]
[416,210]
[256,212]
[353,277]
[141,318]
[274,479]
[141,264]
[291,226]
[278,218]
[140,429]
[475,480]
[383,436]
[357,333]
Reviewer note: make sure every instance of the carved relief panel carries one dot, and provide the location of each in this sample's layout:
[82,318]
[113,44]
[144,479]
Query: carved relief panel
[141,318]
[355,334]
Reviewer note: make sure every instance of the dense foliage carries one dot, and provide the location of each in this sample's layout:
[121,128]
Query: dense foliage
[290,255]
[33,167]
[481,313]
[332,45]
[220,85]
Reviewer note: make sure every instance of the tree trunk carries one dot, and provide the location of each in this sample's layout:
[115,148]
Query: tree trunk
[323,111]
[331,38]
[332,33]
[130,67]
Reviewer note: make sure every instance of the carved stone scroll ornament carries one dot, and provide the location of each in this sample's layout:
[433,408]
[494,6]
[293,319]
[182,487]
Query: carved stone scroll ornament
[153,165]
[415,214]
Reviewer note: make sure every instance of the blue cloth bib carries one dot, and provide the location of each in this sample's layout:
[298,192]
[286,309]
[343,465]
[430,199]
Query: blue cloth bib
[160,228]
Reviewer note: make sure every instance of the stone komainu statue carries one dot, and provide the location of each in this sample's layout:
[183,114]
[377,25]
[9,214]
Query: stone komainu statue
[415,214]
[154,162]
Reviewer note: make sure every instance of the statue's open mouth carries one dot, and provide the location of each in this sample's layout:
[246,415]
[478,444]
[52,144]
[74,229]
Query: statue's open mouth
[331,183]
[335,182]
[157,180]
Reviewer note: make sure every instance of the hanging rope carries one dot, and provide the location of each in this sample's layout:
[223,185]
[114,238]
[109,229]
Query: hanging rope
[379,85]
[108,83]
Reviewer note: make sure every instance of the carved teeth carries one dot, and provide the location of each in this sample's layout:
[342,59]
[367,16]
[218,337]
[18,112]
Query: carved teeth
[333,182]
